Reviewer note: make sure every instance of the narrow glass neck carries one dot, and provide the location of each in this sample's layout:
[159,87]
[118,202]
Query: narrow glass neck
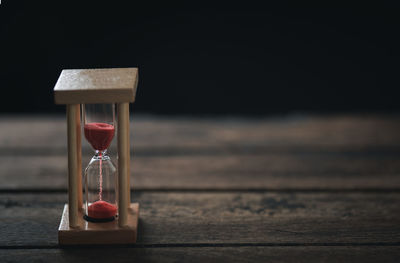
[100,154]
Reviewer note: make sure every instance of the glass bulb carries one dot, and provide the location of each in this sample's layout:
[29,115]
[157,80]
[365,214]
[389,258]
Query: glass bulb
[100,179]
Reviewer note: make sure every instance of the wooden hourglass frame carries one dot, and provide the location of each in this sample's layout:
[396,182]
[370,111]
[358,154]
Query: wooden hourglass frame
[81,86]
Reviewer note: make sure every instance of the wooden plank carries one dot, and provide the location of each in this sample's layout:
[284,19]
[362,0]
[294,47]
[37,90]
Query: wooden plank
[267,171]
[307,254]
[152,135]
[105,85]
[218,218]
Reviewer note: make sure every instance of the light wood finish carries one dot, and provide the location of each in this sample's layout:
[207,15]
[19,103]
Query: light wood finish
[74,172]
[99,233]
[79,158]
[123,162]
[128,156]
[78,86]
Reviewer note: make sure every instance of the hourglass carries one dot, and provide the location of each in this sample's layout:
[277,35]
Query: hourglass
[105,214]
[100,175]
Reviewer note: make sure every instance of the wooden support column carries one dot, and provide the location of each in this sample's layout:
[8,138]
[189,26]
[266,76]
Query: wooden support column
[128,177]
[74,163]
[79,158]
[123,163]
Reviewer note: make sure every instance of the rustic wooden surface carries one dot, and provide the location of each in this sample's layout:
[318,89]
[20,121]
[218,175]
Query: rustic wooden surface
[290,189]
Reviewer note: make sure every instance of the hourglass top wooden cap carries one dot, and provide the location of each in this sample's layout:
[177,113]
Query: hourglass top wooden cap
[105,85]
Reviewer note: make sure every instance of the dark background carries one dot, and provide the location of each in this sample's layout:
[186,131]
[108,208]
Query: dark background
[207,58]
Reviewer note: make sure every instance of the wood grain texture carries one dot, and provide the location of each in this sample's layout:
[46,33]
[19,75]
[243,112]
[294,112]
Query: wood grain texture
[95,233]
[124,162]
[74,166]
[336,180]
[166,136]
[220,218]
[107,85]
[267,171]
[278,254]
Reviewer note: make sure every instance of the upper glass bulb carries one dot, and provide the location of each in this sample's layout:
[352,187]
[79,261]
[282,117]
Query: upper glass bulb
[99,125]
[99,135]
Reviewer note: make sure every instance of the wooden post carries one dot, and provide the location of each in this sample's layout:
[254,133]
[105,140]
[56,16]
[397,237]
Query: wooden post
[74,174]
[128,172]
[123,163]
[79,158]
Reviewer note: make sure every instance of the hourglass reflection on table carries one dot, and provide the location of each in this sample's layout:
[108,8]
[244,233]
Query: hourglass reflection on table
[106,216]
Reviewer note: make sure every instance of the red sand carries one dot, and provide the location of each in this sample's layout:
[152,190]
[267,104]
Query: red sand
[102,209]
[99,135]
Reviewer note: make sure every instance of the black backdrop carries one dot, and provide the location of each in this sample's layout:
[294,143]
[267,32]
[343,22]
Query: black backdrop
[207,58]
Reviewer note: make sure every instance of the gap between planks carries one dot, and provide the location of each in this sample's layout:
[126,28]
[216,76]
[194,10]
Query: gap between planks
[212,254]
[333,244]
[171,151]
[216,190]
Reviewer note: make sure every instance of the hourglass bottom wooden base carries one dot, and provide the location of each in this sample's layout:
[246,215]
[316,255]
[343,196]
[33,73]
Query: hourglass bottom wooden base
[98,233]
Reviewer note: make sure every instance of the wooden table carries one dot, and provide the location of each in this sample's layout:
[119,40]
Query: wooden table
[289,189]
